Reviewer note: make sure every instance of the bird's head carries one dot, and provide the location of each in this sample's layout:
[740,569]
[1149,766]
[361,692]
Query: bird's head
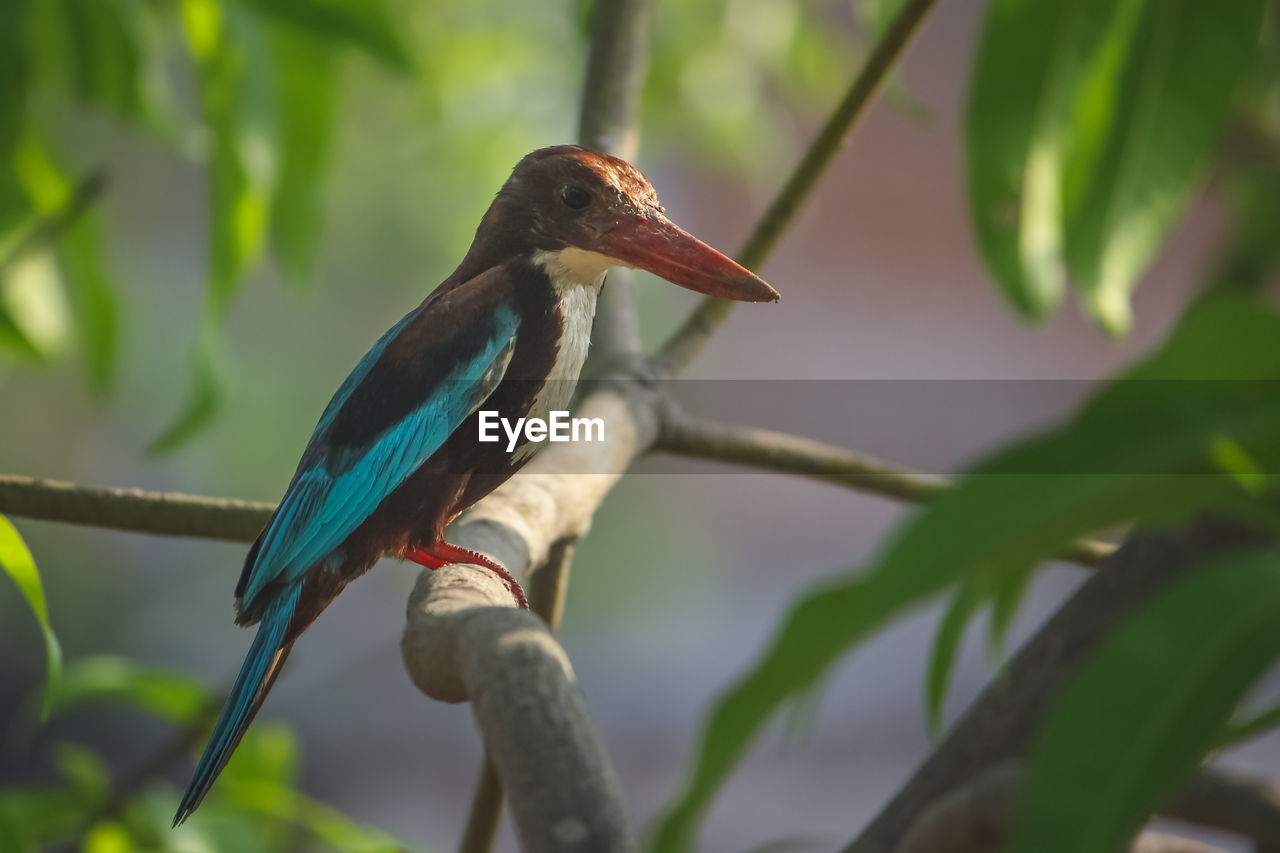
[579,212]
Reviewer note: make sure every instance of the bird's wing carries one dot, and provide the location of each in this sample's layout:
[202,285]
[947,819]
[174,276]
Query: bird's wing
[417,384]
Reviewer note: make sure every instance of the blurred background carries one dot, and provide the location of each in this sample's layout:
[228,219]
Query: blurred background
[688,566]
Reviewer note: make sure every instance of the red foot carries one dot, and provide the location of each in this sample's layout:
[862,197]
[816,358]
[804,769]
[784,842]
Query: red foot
[443,554]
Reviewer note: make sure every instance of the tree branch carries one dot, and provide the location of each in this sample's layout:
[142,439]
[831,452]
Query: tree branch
[166,513]
[976,817]
[465,639]
[769,450]
[999,725]
[616,66]
[546,598]
[692,335]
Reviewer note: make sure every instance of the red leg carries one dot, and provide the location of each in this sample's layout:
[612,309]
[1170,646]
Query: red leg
[441,553]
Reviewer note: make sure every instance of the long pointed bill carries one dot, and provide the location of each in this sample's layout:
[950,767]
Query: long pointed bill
[664,249]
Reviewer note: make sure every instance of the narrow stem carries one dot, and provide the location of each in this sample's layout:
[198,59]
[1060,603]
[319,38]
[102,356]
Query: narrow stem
[167,513]
[689,339]
[486,811]
[768,450]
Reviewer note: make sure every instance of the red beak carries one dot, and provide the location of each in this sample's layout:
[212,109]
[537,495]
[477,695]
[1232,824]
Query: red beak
[658,245]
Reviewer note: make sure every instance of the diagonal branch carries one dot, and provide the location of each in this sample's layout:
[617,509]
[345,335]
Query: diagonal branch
[689,339]
[769,450]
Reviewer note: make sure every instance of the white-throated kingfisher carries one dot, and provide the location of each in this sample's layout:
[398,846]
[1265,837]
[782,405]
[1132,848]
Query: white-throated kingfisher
[396,454]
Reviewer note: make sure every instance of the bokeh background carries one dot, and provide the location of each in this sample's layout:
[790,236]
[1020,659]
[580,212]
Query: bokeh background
[688,566]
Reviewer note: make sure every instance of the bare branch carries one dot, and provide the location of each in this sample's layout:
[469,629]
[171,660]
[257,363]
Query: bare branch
[465,639]
[692,335]
[167,513]
[769,450]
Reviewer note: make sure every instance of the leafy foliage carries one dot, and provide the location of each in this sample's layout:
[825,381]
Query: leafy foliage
[1141,450]
[1088,126]
[16,561]
[1141,714]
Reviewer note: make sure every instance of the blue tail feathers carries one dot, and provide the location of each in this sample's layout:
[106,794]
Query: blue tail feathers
[256,675]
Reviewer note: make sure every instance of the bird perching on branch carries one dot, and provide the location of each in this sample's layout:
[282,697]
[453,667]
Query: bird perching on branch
[396,454]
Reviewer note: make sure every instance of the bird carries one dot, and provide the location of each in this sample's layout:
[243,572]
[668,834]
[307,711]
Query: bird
[396,453]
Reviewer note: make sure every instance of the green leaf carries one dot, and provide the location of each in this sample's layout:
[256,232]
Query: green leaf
[229,49]
[203,399]
[173,696]
[33,310]
[1139,450]
[946,646]
[308,83]
[14,71]
[83,769]
[101,48]
[363,24]
[17,562]
[1144,136]
[1027,60]
[64,208]
[1142,713]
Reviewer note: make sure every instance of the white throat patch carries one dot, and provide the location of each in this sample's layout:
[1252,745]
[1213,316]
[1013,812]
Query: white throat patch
[570,267]
[577,276]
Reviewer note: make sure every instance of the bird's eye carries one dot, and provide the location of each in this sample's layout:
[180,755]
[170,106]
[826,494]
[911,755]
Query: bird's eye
[574,197]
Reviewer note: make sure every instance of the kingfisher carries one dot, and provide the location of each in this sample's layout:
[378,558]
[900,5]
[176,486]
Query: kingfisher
[396,454]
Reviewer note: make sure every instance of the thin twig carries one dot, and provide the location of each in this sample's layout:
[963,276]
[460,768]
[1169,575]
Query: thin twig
[166,513]
[692,335]
[769,450]
[486,811]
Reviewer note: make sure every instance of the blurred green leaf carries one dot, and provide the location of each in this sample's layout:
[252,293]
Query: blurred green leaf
[33,312]
[44,815]
[1239,731]
[204,398]
[12,837]
[1022,79]
[1146,135]
[13,71]
[1087,126]
[946,647]
[108,837]
[324,823]
[17,562]
[174,696]
[270,755]
[63,217]
[83,769]
[1142,713]
[229,49]
[308,84]
[101,49]
[364,24]
[1140,449]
